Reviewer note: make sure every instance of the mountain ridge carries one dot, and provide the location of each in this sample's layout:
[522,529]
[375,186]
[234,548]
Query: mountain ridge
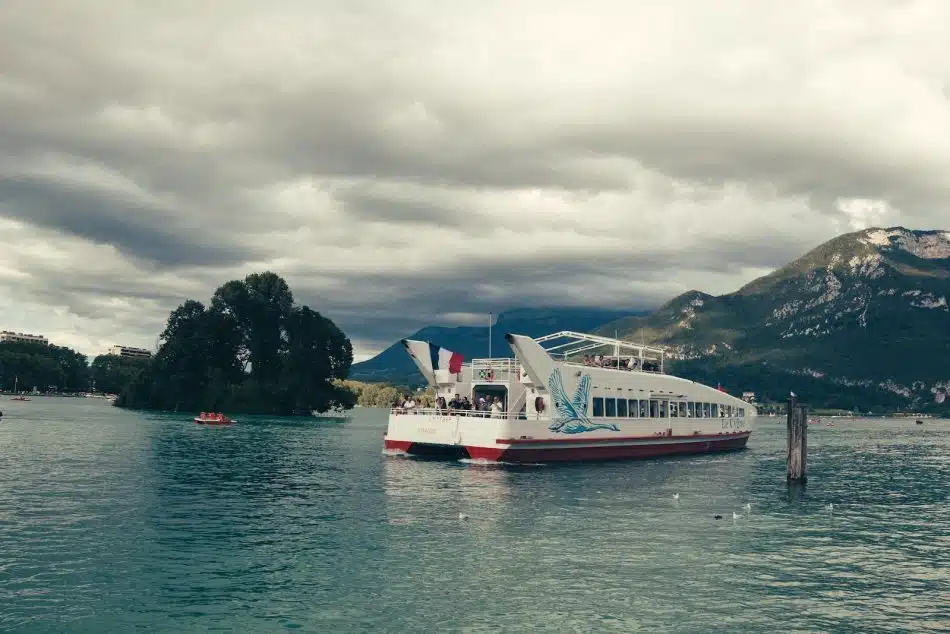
[859,322]
[864,312]
[394,365]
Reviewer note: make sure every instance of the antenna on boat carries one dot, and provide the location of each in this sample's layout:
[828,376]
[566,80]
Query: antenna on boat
[489,334]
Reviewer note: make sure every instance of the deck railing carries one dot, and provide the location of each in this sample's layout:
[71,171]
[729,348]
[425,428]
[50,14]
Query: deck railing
[468,413]
[580,364]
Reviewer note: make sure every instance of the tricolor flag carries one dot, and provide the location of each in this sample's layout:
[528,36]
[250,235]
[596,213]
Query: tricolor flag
[443,359]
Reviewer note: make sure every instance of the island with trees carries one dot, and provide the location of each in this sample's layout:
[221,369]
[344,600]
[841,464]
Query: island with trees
[251,351]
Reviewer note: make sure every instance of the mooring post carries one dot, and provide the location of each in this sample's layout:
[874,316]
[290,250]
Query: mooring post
[796,461]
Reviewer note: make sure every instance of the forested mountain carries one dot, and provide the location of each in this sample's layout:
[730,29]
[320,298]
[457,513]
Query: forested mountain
[860,322]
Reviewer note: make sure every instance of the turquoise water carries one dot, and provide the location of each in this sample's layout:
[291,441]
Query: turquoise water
[112,521]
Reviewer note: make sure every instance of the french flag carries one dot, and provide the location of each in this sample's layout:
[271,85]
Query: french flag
[443,359]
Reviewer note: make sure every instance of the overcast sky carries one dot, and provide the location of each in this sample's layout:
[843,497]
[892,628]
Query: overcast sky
[409,162]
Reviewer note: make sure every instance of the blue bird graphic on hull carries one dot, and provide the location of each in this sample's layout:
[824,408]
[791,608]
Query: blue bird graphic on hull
[571,415]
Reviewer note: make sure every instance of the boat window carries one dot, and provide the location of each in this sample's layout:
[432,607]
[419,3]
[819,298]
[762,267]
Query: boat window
[633,407]
[664,409]
[705,410]
[611,407]
[729,411]
[714,410]
[621,408]
[654,409]
[598,406]
[644,409]
[690,409]
[674,412]
[682,407]
[741,413]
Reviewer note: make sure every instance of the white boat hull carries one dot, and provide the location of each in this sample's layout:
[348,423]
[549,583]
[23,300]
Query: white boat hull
[520,441]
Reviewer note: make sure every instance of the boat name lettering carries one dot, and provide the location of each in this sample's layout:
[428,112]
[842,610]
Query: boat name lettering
[732,423]
[426,430]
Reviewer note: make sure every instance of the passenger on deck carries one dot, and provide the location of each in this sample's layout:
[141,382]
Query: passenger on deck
[496,408]
[409,403]
[440,405]
[456,402]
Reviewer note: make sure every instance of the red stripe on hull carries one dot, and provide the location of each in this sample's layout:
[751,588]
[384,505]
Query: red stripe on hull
[493,454]
[615,439]
[397,445]
[556,454]
[616,452]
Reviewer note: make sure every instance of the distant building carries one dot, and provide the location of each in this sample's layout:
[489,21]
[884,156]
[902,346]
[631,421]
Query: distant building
[21,337]
[128,351]
[748,397]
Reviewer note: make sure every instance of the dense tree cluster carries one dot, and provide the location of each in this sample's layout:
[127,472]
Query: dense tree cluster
[111,373]
[47,368]
[251,351]
[386,395]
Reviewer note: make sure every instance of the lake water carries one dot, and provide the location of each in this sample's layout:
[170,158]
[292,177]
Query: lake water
[112,521]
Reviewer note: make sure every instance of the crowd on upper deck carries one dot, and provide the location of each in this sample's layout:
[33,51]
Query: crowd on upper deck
[620,363]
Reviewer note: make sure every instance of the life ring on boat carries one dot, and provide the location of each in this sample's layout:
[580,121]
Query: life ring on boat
[539,404]
[488,375]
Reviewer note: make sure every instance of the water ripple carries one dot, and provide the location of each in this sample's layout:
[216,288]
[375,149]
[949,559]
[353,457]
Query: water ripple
[114,521]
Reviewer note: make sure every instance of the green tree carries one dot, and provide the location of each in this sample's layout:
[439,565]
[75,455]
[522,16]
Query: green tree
[112,373]
[27,365]
[251,351]
[260,305]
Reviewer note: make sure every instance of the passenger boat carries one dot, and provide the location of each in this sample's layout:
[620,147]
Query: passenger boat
[213,418]
[556,404]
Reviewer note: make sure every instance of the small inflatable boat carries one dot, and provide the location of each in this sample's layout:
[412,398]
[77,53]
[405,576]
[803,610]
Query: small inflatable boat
[213,418]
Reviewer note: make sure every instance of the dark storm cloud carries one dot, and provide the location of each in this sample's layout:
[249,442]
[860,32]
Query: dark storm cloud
[133,227]
[404,162]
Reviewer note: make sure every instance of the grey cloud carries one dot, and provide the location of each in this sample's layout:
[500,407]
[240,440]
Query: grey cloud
[128,225]
[277,136]
[364,204]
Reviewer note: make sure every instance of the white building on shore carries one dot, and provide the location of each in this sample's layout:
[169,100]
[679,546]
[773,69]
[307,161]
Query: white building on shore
[22,337]
[129,351]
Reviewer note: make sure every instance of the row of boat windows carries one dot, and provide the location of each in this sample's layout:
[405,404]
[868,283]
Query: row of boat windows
[633,408]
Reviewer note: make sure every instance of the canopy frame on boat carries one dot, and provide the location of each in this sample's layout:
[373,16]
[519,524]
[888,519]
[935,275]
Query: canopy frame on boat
[568,345]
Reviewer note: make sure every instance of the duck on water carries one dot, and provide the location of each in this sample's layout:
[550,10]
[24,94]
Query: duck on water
[559,403]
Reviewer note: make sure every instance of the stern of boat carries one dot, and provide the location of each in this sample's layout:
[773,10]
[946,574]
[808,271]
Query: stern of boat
[430,432]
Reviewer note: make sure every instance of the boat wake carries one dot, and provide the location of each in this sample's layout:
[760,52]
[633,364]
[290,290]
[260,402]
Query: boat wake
[484,462]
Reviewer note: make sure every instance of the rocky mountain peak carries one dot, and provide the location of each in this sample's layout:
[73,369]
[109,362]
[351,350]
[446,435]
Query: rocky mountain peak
[927,245]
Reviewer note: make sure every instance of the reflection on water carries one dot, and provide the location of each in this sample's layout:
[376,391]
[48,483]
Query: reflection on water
[111,521]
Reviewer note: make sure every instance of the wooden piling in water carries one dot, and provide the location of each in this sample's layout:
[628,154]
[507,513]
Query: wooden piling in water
[797,423]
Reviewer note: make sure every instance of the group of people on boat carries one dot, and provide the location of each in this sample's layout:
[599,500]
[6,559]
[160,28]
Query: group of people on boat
[492,406]
[620,363]
[214,416]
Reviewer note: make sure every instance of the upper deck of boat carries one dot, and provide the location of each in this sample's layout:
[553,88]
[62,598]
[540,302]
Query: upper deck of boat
[579,350]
